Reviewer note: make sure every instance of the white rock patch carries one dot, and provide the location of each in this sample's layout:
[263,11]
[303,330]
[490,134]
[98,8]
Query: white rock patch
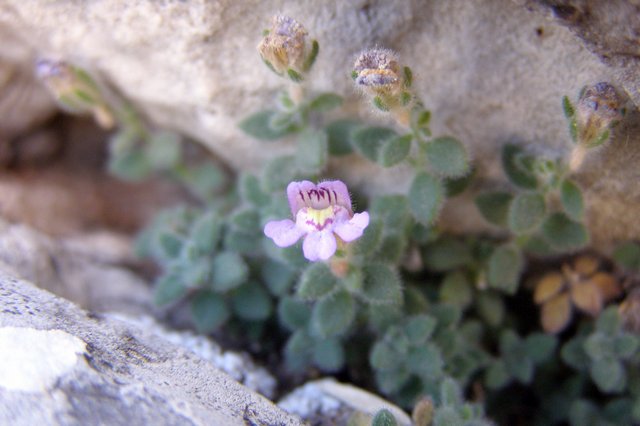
[31,360]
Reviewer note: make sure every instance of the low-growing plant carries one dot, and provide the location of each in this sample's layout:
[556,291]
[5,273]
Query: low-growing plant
[381,293]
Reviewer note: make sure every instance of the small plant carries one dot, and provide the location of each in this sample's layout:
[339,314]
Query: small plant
[598,110]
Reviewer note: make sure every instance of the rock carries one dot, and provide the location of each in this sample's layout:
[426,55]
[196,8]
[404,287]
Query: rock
[328,402]
[68,367]
[89,270]
[492,72]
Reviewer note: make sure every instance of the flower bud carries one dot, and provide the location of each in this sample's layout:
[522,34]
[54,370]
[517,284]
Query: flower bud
[377,71]
[598,108]
[285,50]
[74,90]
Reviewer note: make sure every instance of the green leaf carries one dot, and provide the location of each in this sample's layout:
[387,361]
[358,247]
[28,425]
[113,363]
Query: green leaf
[168,288]
[170,244]
[504,267]
[574,355]
[279,172]
[367,141]
[450,393]
[496,375]
[312,153]
[567,107]
[277,276]
[370,240]
[563,233]
[627,255]
[205,232]
[297,351]
[457,185]
[490,308]
[609,375]
[573,130]
[380,104]
[395,150]
[384,418]
[425,361]
[540,346]
[293,314]
[408,77]
[163,150]
[246,220]
[583,412]
[494,206]
[294,75]
[626,346]
[203,180]
[251,302]
[325,102]
[209,312]
[339,136]
[420,119]
[518,167]
[313,54]
[381,285]
[228,271]
[456,289]
[328,355]
[426,196]
[447,254]
[333,315]
[250,190]
[599,346]
[316,281]
[572,201]
[258,126]
[600,139]
[447,157]
[419,328]
[391,210]
[526,212]
[383,357]
[608,321]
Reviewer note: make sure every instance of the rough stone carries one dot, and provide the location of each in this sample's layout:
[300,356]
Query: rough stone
[492,72]
[99,370]
[328,402]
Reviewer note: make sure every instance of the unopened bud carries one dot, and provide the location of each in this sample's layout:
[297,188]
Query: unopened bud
[74,90]
[598,108]
[285,49]
[378,71]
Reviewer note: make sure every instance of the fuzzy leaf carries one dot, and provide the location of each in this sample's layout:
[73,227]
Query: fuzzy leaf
[609,375]
[497,375]
[572,201]
[333,315]
[567,107]
[392,210]
[426,196]
[540,347]
[370,240]
[504,267]
[328,355]
[168,288]
[447,157]
[279,172]
[490,308]
[205,232]
[204,180]
[170,244]
[325,102]
[447,254]
[163,150]
[608,321]
[316,281]
[368,140]
[381,285]
[395,150]
[450,393]
[313,54]
[250,190]
[252,302]
[518,167]
[297,351]
[209,312]
[380,104]
[293,314]
[246,220]
[425,361]
[556,313]
[419,328]
[339,135]
[563,233]
[228,271]
[384,418]
[456,289]
[457,185]
[383,357]
[258,126]
[526,212]
[494,207]
[277,276]
[627,255]
[312,153]
[294,75]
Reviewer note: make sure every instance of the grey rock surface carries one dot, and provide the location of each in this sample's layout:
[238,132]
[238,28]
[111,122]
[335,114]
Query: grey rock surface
[328,402]
[67,367]
[493,71]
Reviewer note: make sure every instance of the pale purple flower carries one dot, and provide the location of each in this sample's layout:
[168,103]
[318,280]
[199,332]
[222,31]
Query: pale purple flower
[321,212]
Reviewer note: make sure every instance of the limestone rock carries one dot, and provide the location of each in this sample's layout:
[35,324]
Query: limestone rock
[491,71]
[68,367]
[328,402]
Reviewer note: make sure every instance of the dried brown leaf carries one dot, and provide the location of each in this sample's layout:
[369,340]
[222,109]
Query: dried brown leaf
[586,297]
[548,286]
[556,313]
[608,285]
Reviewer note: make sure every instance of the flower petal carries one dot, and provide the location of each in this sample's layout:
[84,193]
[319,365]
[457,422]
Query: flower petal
[353,229]
[339,194]
[283,232]
[319,245]
[298,195]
